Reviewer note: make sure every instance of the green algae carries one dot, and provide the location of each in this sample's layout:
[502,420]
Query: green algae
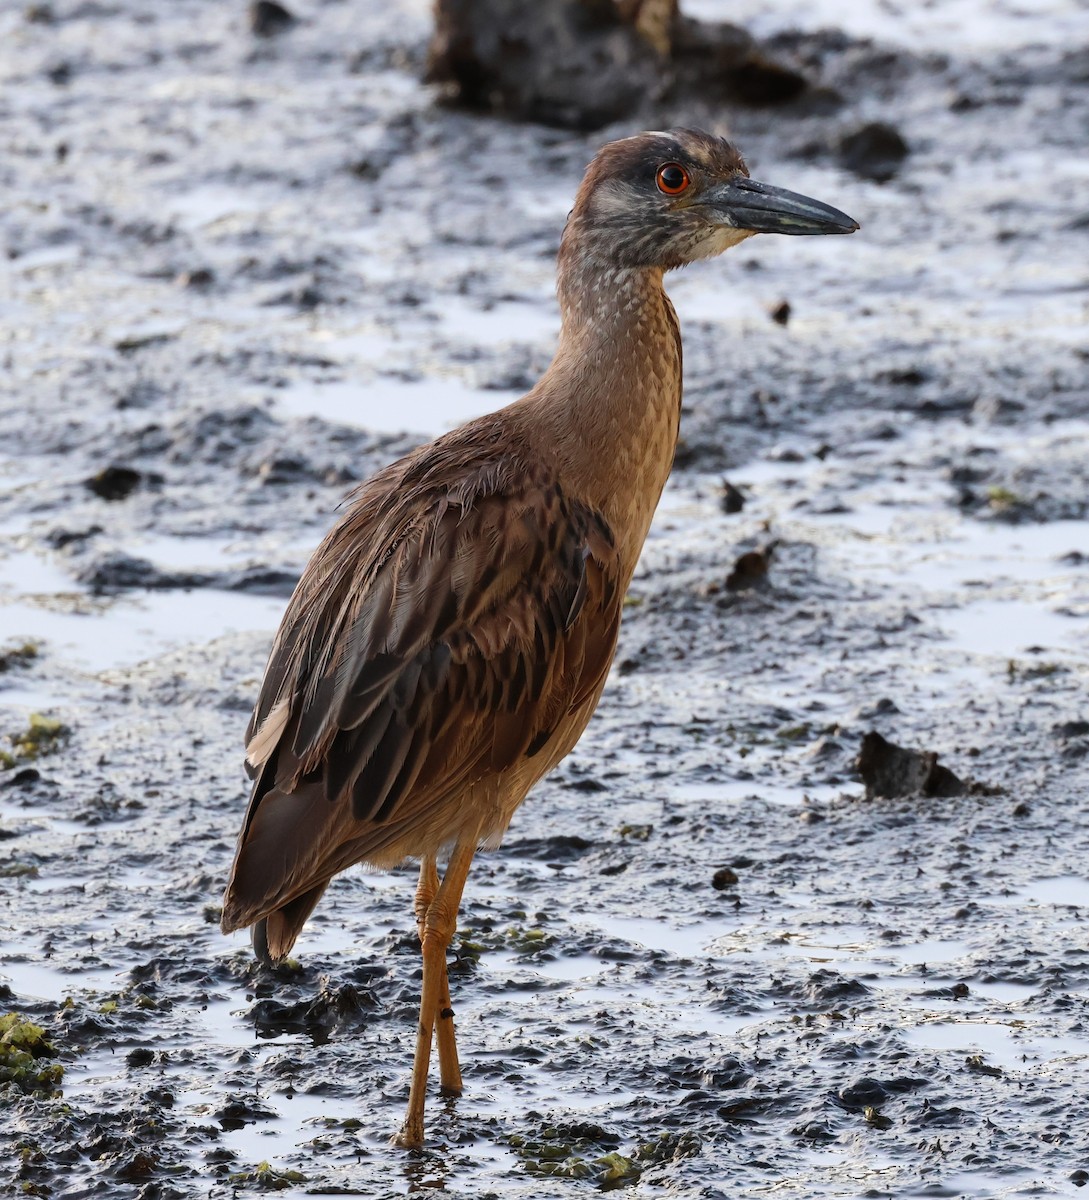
[268,1178]
[19,655]
[42,735]
[23,1046]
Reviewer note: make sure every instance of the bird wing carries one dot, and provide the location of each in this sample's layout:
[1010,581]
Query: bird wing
[440,635]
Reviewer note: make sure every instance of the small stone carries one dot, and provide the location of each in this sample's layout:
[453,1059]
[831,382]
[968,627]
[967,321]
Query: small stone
[197,279]
[890,771]
[267,18]
[724,878]
[780,314]
[24,778]
[61,538]
[864,1093]
[875,151]
[732,500]
[750,570]
[763,83]
[114,483]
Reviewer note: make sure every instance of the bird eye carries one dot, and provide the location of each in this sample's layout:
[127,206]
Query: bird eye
[672,179]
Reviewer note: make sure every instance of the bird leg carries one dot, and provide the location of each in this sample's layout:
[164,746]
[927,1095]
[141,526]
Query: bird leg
[439,924]
[449,1069]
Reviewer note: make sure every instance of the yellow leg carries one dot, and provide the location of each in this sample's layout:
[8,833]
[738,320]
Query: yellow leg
[439,924]
[449,1068]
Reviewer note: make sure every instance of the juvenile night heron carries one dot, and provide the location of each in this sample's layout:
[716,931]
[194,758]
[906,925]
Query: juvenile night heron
[451,636]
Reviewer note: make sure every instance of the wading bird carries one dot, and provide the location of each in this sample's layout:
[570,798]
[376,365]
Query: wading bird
[450,638]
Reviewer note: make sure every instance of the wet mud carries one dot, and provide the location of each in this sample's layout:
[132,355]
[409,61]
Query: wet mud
[241,272]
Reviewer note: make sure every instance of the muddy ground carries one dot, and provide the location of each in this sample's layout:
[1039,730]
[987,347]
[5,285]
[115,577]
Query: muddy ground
[241,273]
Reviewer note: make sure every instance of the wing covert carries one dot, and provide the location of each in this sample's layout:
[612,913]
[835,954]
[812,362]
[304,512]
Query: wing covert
[459,652]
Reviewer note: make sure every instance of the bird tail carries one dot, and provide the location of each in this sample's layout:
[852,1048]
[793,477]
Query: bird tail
[274,935]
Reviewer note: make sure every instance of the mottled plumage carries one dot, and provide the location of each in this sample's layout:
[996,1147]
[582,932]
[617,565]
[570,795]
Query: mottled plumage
[453,629]
[450,638]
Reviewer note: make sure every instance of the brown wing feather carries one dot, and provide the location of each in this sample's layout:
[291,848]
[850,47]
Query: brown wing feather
[446,629]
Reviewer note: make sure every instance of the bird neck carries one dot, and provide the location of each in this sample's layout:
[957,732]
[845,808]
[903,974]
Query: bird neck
[610,401]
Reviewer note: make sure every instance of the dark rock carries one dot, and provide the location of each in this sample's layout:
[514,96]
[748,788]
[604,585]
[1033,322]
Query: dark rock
[874,152]
[966,473]
[368,168]
[121,572]
[114,483]
[732,500]
[562,847]
[242,1110]
[260,581]
[829,987]
[585,783]
[268,18]
[579,64]
[780,314]
[814,1131]
[335,1007]
[709,50]
[567,63]
[751,570]
[23,778]
[286,469]
[903,376]
[890,771]
[198,279]
[61,539]
[863,1093]
[724,878]
[763,83]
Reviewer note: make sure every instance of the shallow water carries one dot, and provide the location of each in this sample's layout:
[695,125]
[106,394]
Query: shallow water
[913,441]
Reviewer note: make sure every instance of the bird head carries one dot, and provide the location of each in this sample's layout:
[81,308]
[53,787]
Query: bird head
[661,200]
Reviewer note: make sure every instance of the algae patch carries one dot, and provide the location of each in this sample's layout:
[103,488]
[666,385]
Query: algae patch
[23,1045]
[267,1178]
[42,735]
[18,655]
[583,1150]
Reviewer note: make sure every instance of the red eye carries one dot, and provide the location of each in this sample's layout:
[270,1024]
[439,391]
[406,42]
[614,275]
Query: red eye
[672,179]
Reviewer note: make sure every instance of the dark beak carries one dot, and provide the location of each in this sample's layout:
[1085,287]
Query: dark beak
[748,204]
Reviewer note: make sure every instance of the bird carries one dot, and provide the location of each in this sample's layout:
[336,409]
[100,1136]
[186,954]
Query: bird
[450,638]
